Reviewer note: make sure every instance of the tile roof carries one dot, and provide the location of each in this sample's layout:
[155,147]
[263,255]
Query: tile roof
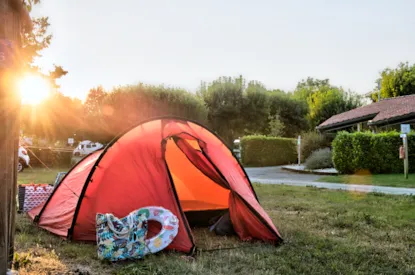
[379,112]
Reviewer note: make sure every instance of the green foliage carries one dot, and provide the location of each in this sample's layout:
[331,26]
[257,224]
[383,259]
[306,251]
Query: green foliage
[255,108]
[312,141]
[93,102]
[397,82]
[320,159]
[324,100]
[268,151]
[224,100]
[291,112]
[33,42]
[305,88]
[375,153]
[326,103]
[276,126]
[110,113]
[236,110]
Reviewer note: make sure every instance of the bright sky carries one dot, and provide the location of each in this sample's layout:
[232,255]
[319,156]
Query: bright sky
[181,42]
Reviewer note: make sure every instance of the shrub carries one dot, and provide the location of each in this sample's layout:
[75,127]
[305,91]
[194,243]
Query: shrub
[268,151]
[312,141]
[320,159]
[377,153]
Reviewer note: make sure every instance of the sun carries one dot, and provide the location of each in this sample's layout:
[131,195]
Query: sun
[34,89]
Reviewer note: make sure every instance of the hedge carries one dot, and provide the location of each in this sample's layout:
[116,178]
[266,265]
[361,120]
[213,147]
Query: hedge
[268,151]
[376,153]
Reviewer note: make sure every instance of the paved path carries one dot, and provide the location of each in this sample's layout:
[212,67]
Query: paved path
[276,172]
[275,175]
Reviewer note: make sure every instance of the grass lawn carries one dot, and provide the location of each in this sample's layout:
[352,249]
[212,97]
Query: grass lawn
[325,232]
[394,180]
[39,175]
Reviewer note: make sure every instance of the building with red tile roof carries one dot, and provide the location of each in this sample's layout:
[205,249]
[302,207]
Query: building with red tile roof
[391,111]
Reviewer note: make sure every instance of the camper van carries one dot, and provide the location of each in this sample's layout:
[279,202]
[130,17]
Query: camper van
[86,147]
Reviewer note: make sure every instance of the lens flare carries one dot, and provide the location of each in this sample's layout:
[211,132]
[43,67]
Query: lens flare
[34,89]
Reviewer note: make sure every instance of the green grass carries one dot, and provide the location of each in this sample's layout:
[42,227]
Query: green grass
[393,180]
[325,232]
[39,175]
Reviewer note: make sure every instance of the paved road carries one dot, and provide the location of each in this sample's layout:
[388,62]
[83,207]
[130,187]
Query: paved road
[276,172]
[275,175]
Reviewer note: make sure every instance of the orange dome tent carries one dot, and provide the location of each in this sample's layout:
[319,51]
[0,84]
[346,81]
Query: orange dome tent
[169,162]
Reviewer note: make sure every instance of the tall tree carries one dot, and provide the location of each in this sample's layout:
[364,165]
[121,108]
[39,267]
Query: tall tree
[397,82]
[324,100]
[33,42]
[329,102]
[255,108]
[224,100]
[93,102]
[309,86]
[290,111]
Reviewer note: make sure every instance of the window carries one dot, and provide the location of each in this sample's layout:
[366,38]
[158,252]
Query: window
[88,146]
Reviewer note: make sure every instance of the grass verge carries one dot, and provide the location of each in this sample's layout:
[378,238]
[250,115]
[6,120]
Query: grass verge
[393,180]
[39,175]
[325,232]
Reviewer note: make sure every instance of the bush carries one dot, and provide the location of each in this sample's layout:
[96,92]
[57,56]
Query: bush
[320,159]
[312,141]
[268,151]
[377,153]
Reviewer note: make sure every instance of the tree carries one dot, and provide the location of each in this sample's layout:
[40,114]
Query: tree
[291,112]
[54,75]
[276,126]
[324,100]
[255,108]
[397,82]
[110,113]
[328,102]
[309,86]
[93,102]
[224,100]
[33,42]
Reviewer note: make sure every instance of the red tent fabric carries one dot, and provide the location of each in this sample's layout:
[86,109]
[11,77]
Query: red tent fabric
[168,162]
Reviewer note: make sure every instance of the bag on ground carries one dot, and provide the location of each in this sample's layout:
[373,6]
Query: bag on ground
[32,195]
[121,239]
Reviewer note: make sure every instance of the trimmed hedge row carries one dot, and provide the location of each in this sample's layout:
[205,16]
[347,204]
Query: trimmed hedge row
[377,153]
[268,151]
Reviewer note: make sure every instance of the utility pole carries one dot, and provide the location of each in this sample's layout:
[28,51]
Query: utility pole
[13,16]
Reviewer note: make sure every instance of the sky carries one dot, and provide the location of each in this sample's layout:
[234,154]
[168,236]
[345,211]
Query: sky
[183,42]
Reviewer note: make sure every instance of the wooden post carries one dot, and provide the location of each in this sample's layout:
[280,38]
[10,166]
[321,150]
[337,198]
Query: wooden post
[11,14]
